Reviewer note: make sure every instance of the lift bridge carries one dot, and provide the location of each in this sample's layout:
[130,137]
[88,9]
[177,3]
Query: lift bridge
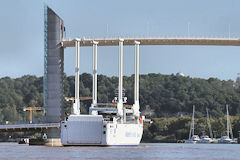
[54,44]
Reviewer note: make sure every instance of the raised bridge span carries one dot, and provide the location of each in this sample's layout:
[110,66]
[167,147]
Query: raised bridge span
[114,41]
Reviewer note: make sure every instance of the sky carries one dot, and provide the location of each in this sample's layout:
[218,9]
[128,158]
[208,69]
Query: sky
[22,45]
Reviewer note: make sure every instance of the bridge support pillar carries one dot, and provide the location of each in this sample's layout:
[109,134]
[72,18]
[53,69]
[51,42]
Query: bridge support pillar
[53,70]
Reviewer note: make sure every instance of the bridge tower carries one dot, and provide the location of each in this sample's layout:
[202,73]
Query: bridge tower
[53,69]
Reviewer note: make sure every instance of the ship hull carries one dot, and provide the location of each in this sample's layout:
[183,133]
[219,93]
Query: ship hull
[92,130]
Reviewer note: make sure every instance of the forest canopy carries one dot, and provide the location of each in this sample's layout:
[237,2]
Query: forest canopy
[161,95]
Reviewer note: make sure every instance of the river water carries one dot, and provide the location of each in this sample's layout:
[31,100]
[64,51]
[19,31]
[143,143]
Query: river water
[149,151]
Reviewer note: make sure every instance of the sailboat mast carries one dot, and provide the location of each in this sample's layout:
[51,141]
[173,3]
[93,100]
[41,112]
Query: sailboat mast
[209,124]
[193,120]
[191,132]
[227,121]
[229,128]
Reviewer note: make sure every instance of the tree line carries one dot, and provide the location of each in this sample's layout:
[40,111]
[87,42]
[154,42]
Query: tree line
[165,95]
[161,96]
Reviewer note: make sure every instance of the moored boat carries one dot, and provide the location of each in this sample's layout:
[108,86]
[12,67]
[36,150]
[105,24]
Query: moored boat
[226,139]
[192,137]
[205,139]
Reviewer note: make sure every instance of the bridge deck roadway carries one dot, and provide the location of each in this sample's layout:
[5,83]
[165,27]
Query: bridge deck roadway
[70,42]
[27,127]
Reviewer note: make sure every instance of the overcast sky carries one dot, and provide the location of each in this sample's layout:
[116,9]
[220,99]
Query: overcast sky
[21,35]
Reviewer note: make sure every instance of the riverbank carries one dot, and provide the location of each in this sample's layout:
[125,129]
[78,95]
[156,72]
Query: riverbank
[172,130]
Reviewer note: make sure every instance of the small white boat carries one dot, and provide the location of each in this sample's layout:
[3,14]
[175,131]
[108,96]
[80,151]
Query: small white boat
[194,139]
[226,140]
[23,141]
[205,139]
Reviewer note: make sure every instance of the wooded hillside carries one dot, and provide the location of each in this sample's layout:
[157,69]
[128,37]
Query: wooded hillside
[167,99]
[165,95]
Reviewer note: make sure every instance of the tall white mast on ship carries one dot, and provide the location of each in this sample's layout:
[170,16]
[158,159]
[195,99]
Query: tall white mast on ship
[76,105]
[120,79]
[136,107]
[94,82]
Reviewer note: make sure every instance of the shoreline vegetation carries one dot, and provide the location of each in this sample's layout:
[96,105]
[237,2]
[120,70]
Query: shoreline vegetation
[173,130]
[166,99]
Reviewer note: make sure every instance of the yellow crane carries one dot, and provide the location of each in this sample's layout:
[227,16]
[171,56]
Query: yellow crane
[31,109]
[73,100]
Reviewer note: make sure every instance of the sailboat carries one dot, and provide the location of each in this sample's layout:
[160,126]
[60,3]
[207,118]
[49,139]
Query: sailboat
[226,139]
[206,138]
[192,138]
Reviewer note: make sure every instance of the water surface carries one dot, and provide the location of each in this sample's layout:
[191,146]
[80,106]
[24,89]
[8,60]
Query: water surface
[149,151]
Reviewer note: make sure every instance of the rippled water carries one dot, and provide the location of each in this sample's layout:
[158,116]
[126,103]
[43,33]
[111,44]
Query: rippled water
[148,151]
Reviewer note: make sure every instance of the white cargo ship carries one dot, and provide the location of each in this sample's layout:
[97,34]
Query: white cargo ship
[106,124]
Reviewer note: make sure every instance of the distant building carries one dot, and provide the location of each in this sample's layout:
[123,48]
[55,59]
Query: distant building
[237,83]
[238,80]
[180,74]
